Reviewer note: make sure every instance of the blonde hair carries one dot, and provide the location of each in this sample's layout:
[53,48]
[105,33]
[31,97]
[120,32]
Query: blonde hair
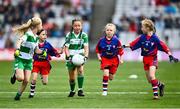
[110,25]
[148,24]
[31,23]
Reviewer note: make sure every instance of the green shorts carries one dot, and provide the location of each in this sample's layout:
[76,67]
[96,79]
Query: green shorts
[23,64]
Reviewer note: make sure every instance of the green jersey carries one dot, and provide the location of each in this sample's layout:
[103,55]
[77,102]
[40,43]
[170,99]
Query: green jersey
[28,45]
[76,43]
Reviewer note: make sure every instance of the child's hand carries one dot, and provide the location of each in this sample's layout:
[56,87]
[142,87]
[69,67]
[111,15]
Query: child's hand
[17,53]
[173,59]
[121,61]
[99,58]
[60,51]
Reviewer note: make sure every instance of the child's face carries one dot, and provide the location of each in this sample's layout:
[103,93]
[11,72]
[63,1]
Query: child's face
[77,27]
[43,36]
[109,31]
[144,29]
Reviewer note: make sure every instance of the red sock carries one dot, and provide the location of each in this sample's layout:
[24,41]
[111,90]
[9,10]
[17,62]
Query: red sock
[155,86]
[105,82]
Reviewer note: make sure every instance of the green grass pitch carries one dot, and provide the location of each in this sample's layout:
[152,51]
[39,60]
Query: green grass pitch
[123,92]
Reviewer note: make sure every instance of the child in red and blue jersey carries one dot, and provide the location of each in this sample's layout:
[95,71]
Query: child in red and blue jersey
[109,54]
[150,43]
[42,64]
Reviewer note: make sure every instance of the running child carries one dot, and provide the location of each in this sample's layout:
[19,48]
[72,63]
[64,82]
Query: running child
[109,53]
[25,48]
[150,43]
[41,63]
[76,43]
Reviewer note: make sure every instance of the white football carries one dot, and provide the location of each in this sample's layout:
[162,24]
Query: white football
[78,59]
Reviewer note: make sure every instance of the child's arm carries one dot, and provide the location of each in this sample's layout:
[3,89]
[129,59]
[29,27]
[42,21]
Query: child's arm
[121,52]
[134,44]
[86,52]
[98,52]
[163,47]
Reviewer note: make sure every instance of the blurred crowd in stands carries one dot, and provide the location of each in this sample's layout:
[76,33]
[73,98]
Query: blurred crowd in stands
[56,16]
[166,16]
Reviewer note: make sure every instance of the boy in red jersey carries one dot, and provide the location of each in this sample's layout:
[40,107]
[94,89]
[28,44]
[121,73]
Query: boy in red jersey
[150,43]
[109,54]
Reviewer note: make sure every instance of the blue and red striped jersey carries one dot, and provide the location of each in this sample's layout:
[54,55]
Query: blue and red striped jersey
[109,48]
[51,51]
[149,45]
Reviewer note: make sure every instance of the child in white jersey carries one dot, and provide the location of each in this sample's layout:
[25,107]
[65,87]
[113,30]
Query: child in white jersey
[25,48]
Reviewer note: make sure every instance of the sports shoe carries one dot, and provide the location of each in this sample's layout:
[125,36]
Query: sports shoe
[161,89]
[104,93]
[155,97]
[13,79]
[31,96]
[71,94]
[17,97]
[80,93]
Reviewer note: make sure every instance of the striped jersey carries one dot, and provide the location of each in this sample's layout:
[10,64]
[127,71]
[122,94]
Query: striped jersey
[28,45]
[76,43]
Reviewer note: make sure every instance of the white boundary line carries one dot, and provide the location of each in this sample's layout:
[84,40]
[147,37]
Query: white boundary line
[115,93]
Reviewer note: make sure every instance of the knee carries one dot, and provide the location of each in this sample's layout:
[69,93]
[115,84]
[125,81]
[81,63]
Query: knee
[33,81]
[20,79]
[25,81]
[44,82]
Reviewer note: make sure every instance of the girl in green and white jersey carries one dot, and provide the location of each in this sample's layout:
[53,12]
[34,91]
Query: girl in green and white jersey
[25,48]
[76,43]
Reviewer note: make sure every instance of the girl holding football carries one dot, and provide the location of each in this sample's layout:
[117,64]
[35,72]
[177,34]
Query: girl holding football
[109,53]
[150,43]
[25,48]
[42,64]
[76,43]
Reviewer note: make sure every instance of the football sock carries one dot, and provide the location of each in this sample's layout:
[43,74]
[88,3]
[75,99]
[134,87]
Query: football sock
[155,86]
[105,82]
[32,88]
[72,85]
[80,79]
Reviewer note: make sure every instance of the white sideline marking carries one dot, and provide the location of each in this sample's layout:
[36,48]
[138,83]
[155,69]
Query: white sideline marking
[116,93]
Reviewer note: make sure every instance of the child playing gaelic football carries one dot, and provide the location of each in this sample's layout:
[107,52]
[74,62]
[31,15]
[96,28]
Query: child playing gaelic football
[110,54]
[25,48]
[150,43]
[42,64]
[76,43]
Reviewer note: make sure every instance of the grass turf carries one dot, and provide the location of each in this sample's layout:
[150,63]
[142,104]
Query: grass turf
[123,92]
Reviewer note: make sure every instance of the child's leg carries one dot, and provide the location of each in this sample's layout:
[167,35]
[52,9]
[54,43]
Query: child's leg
[80,79]
[27,75]
[45,79]
[33,84]
[72,76]
[105,81]
[19,75]
[154,81]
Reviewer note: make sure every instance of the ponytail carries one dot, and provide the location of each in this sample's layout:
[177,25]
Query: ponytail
[22,29]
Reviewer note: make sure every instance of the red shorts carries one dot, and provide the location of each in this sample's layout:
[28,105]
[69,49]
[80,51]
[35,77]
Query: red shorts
[150,61]
[111,64]
[42,67]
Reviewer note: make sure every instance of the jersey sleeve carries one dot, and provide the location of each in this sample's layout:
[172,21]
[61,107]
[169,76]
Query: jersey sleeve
[67,40]
[135,44]
[162,46]
[52,51]
[121,51]
[86,41]
[98,49]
